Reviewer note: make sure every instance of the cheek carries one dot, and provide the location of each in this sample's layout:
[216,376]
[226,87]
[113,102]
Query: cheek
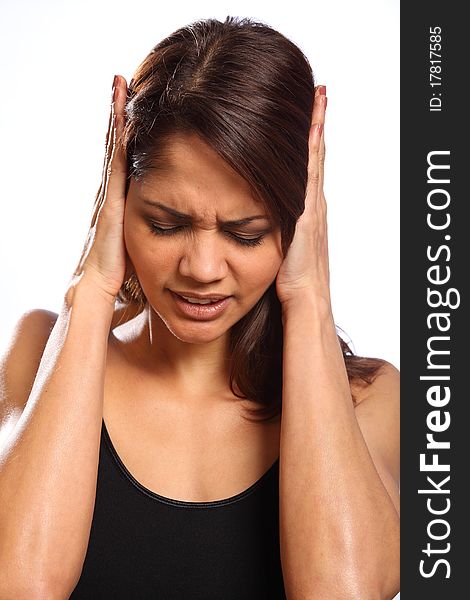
[260,272]
[133,241]
[146,255]
[151,261]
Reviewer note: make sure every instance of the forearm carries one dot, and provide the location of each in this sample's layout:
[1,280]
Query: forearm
[48,468]
[338,525]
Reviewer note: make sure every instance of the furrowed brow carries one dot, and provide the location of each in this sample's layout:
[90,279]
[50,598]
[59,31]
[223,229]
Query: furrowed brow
[183,217]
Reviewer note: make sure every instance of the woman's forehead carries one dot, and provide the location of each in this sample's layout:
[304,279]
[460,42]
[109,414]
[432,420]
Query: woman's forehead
[187,155]
[190,174]
[202,208]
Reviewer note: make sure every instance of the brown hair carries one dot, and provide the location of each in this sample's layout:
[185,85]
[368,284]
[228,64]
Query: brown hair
[248,92]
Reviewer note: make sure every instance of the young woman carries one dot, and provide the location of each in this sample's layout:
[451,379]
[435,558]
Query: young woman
[209,435]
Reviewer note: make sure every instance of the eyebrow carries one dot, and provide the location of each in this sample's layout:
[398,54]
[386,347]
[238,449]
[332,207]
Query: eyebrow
[184,217]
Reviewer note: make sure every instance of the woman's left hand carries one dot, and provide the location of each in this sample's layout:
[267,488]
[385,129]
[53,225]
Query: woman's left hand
[305,268]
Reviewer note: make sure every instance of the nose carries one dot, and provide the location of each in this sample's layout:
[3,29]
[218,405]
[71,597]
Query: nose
[204,257]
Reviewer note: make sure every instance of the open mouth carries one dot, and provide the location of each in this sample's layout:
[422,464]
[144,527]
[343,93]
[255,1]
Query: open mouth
[200,300]
[200,308]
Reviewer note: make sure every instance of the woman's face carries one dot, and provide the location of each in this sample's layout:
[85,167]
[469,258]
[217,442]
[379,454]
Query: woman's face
[199,251]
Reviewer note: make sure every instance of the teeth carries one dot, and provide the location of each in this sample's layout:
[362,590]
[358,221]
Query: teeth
[198,301]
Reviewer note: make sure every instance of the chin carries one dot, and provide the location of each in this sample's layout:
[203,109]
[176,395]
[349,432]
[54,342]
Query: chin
[194,332]
[197,338]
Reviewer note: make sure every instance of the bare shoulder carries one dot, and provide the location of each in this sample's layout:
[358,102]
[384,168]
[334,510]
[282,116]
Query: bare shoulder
[385,384]
[378,415]
[21,356]
[26,343]
[19,362]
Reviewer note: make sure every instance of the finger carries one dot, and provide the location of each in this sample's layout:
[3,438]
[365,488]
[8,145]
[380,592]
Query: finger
[107,152]
[321,158]
[315,136]
[317,142]
[322,148]
[313,169]
[110,133]
[314,201]
[113,181]
[319,104]
[117,169]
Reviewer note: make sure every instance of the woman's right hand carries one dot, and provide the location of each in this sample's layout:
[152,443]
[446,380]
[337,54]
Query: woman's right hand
[104,261]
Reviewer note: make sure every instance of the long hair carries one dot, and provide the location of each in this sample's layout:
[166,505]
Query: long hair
[248,92]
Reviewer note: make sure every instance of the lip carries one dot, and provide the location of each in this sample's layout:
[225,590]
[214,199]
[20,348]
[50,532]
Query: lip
[200,296]
[201,312]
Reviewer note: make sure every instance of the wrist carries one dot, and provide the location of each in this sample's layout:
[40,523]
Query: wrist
[83,289]
[308,302]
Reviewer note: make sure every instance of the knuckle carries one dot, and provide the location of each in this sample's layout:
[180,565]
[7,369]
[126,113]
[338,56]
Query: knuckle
[107,158]
[114,170]
[314,177]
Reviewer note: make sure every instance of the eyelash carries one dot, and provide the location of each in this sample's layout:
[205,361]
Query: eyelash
[156,230]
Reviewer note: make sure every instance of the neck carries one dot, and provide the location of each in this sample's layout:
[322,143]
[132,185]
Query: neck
[198,368]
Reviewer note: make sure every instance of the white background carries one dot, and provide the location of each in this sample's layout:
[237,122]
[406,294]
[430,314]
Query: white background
[58,59]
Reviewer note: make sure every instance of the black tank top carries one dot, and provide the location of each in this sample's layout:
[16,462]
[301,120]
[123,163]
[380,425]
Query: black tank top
[146,546]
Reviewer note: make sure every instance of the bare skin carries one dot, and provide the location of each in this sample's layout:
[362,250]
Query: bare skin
[195,448]
[212,453]
[177,443]
[162,388]
[166,375]
[175,369]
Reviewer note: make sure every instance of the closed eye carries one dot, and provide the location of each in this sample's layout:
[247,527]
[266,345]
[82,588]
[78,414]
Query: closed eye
[158,230]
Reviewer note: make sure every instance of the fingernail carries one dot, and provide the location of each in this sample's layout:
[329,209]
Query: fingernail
[322,90]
